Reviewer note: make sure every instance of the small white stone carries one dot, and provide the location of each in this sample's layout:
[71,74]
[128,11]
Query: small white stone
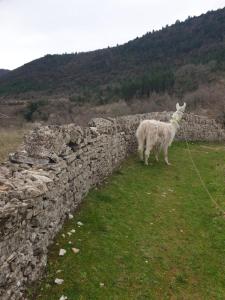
[70,216]
[62,252]
[69,233]
[63,235]
[75,250]
[59,281]
[63,298]
[101,284]
[80,223]
[70,242]
[58,271]
[73,230]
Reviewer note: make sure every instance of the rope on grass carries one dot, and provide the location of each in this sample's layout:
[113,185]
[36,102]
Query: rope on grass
[201,179]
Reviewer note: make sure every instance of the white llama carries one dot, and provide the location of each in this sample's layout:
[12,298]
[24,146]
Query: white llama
[155,135]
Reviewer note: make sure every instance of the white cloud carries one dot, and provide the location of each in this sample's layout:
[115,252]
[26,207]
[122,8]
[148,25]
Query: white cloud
[30,29]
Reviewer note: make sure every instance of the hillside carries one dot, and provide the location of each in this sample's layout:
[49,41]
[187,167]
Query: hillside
[3,72]
[198,40]
[183,61]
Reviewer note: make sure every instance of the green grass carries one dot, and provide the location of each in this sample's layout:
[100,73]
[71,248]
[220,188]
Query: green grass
[149,233]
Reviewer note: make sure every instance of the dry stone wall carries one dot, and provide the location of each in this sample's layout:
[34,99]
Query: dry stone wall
[50,174]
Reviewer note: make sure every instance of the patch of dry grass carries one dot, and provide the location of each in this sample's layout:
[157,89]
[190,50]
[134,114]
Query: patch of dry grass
[10,139]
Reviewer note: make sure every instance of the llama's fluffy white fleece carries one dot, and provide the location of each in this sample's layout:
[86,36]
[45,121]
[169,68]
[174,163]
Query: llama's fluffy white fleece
[155,135]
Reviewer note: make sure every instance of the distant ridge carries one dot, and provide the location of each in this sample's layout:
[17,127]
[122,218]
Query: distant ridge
[3,72]
[105,73]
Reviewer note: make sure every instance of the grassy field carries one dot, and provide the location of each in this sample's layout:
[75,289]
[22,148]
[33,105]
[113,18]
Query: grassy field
[149,233]
[10,139]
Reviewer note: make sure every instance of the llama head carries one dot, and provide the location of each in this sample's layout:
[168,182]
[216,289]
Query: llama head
[181,108]
[177,115]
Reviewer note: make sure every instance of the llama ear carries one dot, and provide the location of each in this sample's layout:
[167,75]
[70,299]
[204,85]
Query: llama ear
[177,106]
[184,106]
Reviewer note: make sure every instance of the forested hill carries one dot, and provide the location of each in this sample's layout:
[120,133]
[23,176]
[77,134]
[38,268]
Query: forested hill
[145,64]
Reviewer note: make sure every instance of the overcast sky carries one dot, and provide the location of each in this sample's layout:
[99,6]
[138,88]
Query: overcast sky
[30,29]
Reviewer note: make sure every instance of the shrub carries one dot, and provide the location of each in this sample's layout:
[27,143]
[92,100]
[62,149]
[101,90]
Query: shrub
[33,108]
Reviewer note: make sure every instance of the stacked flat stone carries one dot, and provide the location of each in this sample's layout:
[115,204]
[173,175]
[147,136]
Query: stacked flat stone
[50,174]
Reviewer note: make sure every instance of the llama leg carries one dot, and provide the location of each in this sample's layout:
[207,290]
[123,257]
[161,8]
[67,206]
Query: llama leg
[141,143]
[156,153]
[147,150]
[165,150]
[147,153]
[141,150]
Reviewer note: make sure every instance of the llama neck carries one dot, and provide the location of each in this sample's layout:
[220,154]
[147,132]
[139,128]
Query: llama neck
[175,119]
[175,126]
